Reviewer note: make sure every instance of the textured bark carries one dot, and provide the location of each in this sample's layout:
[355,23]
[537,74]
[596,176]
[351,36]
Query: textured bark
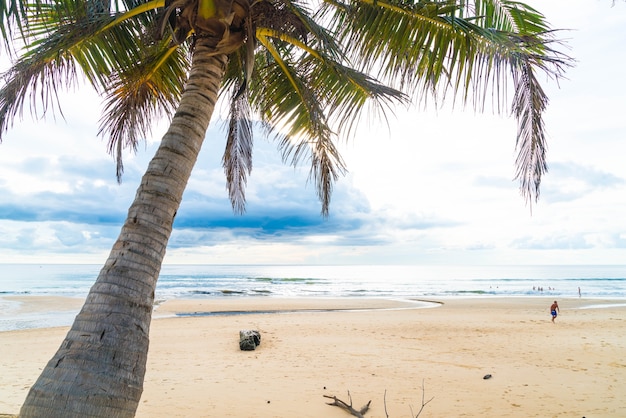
[99,369]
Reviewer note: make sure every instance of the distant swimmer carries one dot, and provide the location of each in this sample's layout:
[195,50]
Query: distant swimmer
[554,309]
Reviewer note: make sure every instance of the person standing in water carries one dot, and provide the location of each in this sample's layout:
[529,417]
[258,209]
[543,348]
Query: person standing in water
[554,309]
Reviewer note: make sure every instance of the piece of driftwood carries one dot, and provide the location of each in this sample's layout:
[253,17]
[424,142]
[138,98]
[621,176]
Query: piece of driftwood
[424,402]
[249,339]
[361,412]
[348,407]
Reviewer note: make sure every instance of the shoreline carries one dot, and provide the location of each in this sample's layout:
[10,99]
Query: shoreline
[372,349]
[44,311]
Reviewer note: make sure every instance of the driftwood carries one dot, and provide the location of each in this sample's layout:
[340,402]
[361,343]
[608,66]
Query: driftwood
[348,407]
[249,339]
[424,402]
[361,412]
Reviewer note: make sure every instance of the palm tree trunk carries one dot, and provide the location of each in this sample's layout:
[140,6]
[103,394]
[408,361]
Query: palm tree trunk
[99,369]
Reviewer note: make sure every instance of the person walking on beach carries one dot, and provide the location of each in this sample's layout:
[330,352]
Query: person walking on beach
[554,308]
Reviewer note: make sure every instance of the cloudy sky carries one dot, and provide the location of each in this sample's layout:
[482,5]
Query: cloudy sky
[433,187]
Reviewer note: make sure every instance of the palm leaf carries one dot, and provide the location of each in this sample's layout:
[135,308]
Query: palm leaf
[11,15]
[237,159]
[529,104]
[507,15]
[60,40]
[296,113]
[141,94]
[319,99]
[296,107]
[469,49]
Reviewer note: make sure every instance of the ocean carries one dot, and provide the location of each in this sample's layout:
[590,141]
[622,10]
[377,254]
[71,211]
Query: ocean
[395,281]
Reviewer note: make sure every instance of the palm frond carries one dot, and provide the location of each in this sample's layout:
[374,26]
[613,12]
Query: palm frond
[506,15]
[295,106]
[38,81]
[345,92]
[317,35]
[529,104]
[99,44]
[433,47]
[141,94]
[48,67]
[42,71]
[14,18]
[58,42]
[293,23]
[12,13]
[327,166]
[464,49]
[320,99]
[296,112]
[237,159]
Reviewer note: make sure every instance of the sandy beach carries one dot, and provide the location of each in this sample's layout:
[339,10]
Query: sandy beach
[369,347]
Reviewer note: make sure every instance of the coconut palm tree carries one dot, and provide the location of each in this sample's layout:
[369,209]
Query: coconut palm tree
[304,70]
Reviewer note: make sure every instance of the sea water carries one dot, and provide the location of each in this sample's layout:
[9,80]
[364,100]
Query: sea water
[393,281]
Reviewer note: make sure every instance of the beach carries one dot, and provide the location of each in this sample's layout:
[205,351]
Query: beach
[397,353]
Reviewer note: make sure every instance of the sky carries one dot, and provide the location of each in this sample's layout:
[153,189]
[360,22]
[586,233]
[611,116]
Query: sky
[434,186]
